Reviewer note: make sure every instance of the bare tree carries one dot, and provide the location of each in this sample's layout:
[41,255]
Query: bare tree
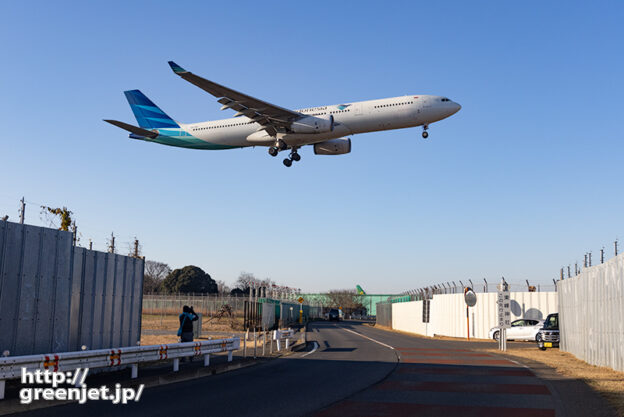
[155,273]
[348,300]
[246,280]
[223,287]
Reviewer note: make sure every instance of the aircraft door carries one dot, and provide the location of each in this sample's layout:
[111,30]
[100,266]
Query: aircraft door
[357,109]
[422,104]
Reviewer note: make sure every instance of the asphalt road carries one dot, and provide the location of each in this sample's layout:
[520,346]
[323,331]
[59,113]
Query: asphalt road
[351,369]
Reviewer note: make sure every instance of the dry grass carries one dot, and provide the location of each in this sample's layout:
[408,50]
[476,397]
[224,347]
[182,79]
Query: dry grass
[147,339]
[171,322]
[210,328]
[605,381]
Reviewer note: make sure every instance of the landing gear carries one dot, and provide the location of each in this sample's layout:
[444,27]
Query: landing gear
[425,135]
[280,145]
[294,156]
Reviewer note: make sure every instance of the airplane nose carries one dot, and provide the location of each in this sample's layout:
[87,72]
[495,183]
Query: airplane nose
[456,107]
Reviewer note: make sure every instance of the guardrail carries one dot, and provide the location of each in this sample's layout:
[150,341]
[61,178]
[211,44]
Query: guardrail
[11,367]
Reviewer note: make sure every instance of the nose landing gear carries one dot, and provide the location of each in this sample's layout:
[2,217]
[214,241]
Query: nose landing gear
[425,135]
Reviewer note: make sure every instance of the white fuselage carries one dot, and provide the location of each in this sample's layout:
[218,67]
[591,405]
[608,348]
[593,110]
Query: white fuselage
[349,119]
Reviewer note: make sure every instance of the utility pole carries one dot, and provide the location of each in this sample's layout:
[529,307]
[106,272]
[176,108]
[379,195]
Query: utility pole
[90,245]
[585,262]
[589,258]
[575,268]
[569,276]
[136,247]
[22,211]
[111,248]
[615,243]
[602,255]
[75,230]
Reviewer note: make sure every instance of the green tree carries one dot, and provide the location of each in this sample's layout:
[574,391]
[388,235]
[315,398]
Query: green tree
[189,279]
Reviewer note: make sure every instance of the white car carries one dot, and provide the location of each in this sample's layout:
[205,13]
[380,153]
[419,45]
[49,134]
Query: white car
[523,329]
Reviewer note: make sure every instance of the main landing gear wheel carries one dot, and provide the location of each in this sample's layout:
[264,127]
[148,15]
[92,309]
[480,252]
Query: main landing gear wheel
[273,151]
[295,157]
[288,162]
[425,135]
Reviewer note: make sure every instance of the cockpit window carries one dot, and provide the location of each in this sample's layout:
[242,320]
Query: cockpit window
[445,99]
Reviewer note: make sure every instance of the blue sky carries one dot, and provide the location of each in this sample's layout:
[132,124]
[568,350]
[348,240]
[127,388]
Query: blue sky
[524,179]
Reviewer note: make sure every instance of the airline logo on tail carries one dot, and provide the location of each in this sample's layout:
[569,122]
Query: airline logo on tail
[148,114]
[360,291]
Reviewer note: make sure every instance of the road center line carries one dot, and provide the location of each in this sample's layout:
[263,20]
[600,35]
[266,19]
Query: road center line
[316,345]
[369,338]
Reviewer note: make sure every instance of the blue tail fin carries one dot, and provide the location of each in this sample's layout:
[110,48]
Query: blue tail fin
[147,113]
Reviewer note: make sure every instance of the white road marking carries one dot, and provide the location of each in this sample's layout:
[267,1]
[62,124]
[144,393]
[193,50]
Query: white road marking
[316,345]
[369,338]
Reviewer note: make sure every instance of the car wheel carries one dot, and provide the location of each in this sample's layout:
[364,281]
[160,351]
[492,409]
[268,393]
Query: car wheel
[496,335]
[538,338]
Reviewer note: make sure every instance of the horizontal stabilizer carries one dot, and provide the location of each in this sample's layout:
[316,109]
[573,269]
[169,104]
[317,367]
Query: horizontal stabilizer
[133,129]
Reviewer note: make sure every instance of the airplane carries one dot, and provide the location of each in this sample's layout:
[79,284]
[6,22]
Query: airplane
[359,290]
[259,123]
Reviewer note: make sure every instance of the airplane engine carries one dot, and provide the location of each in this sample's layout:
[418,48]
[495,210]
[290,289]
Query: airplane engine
[311,124]
[339,146]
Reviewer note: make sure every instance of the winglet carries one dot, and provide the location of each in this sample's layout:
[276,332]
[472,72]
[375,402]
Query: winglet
[176,68]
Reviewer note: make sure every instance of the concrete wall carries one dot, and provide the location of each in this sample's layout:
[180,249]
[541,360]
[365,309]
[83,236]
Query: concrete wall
[448,313]
[408,318]
[591,314]
[55,297]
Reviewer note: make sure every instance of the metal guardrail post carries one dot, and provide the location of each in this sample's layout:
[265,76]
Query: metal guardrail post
[230,355]
[206,359]
[135,371]
[176,364]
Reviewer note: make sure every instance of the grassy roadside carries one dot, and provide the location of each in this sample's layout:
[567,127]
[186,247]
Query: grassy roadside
[605,381]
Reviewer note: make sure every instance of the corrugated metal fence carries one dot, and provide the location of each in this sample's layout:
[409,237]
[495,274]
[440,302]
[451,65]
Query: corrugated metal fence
[384,314]
[55,297]
[591,314]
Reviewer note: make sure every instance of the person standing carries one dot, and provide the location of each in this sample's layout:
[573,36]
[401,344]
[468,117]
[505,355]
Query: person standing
[187,318]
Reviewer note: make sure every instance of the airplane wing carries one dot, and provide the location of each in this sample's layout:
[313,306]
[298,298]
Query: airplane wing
[133,129]
[272,118]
